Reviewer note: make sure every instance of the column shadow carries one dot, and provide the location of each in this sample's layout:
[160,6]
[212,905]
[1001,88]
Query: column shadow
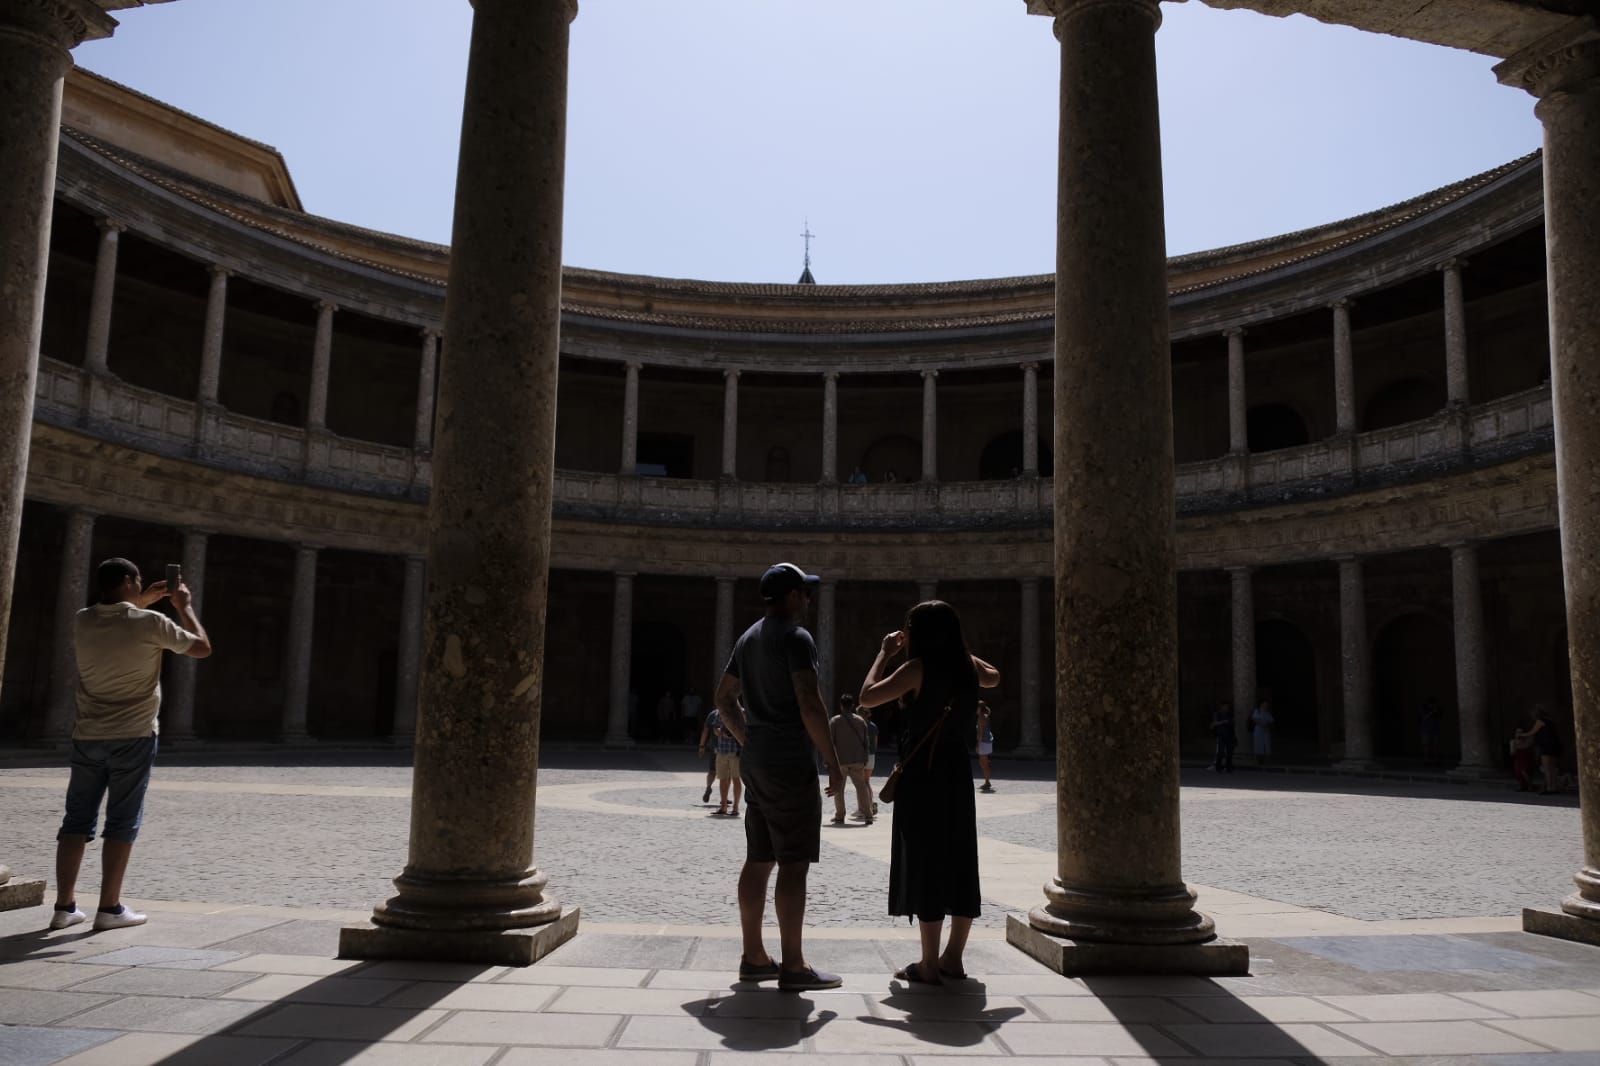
[1204,1019]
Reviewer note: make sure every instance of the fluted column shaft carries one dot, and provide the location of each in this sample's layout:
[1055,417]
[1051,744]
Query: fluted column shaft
[1238,408]
[1355,666]
[297,650]
[408,671]
[321,366]
[1455,335]
[621,659]
[1243,618]
[1030,419]
[72,595]
[1344,373]
[830,427]
[630,419]
[827,640]
[930,425]
[102,297]
[722,628]
[1472,694]
[426,372]
[1031,738]
[177,703]
[730,423]
[1118,855]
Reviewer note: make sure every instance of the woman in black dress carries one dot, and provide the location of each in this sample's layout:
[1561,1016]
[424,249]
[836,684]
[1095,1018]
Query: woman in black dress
[933,866]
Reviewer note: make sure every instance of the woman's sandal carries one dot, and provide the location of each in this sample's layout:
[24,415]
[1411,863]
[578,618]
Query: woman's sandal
[958,975]
[912,972]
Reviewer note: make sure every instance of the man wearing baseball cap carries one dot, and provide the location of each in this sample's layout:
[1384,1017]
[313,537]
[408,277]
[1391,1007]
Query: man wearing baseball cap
[774,668]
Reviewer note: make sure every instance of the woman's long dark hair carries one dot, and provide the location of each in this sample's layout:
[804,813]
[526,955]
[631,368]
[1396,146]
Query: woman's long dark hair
[933,634]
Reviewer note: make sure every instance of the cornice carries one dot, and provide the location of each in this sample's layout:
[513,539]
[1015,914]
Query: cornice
[58,24]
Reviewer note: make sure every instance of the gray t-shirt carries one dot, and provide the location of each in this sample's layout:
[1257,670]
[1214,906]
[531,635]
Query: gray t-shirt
[764,660]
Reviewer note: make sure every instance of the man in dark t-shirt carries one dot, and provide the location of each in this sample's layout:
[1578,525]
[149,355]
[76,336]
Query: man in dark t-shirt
[774,668]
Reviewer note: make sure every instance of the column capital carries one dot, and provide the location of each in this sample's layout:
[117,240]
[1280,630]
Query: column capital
[1458,545]
[196,531]
[62,24]
[109,227]
[1236,570]
[303,548]
[1235,331]
[1033,366]
[1343,559]
[633,365]
[571,8]
[929,375]
[830,375]
[1564,61]
[430,333]
[730,374]
[326,307]
[1455,262]
[217,270]
[1343,303]
[1065,9]
[625,573]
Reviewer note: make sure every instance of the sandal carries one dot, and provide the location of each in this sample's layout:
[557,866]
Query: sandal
[911,973]
[954,975]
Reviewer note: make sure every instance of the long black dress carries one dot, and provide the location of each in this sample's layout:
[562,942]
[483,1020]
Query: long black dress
[933,864]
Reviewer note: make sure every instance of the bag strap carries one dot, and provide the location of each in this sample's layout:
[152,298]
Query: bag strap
[930,733]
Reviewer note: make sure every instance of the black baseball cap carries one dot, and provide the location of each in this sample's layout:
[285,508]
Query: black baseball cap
[781,578]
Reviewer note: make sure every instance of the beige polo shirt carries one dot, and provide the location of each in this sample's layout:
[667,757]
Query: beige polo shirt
[119,669]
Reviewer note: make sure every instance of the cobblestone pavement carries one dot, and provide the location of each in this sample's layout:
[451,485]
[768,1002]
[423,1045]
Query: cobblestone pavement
[627,838]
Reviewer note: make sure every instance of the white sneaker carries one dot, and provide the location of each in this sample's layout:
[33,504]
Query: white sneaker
[121,920]
[62,919]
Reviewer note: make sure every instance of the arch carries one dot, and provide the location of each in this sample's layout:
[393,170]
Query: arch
[895,453]
[1271,426]
[1002,458]
[1413,660]
[1286,673]
[1405,400]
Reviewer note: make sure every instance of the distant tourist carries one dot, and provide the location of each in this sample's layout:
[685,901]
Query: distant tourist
[933,860]
[1524,760]
[850,743]
[118,642]
[857,476]
[872,749]
[725,762]
[1261,730]
[891,477]
[1222,729]
[1547,745]
[773,669]
[985,744]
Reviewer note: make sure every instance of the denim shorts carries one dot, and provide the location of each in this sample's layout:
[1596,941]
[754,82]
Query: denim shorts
[117,771]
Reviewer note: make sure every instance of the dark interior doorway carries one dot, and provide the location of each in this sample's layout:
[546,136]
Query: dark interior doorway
[1413,660]
[1286,669]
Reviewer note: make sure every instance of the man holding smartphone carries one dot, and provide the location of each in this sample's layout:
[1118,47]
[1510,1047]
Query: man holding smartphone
[119,642]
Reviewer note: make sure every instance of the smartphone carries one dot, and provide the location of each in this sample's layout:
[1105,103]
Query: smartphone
[174,576]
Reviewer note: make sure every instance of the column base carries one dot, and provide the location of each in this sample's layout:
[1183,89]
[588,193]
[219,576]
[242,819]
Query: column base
[15,895]
[1357,766]
[1031,751]
[508,947]
[1214,958]
[1475,773]
[619,742]
[1561,925]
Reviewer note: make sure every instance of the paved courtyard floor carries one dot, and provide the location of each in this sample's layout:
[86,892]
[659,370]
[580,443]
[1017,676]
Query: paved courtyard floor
[1381,921]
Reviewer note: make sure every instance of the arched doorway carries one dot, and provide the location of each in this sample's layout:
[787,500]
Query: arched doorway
[1286,671]
[897,454]
[1399,402]
[1002,458]
[658,667]
[1413,660]
[1275,425]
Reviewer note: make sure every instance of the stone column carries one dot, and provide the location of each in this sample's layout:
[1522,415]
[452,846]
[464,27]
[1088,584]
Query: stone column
[1030,743]
[1118,901]
[297,650]
[207,407]
[177,704]
[1238,409]
[413,596]
[1244,642]
[830,427]
[730,423]
[927,590]
[72,595]
[630,419]
[621,661]
[470,891]
[425,379]
[321,364]
[1030,419]
[1355,667]
[930,425]
[1472,694]
[35,39]
[102,297]
[1455,334]
[1344,373]
[827,641]
[722,630]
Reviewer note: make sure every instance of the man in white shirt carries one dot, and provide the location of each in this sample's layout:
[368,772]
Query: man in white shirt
[119,644]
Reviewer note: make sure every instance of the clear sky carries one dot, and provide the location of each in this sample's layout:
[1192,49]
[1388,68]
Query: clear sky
[917,136]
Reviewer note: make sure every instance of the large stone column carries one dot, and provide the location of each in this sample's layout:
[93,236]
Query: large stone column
[1030,742]
[1455,334]
[177,704]
[1344,373]
[1243,619]
[101,298]
[297,649]
[630,419]
[830,427]
[470,891]
[35,40]
[1564,73]
[72,595]
[207,409]
[927,590]
[722,629]
[1355,667]
[426,371]
[1472,693]
[827,641]
[621,661]
[1118,901]
[1030,419]
[321,366]
[409,668]
[930,425]
[730,423]
[1238,409]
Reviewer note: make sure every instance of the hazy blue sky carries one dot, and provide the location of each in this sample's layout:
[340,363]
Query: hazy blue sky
[918,136]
